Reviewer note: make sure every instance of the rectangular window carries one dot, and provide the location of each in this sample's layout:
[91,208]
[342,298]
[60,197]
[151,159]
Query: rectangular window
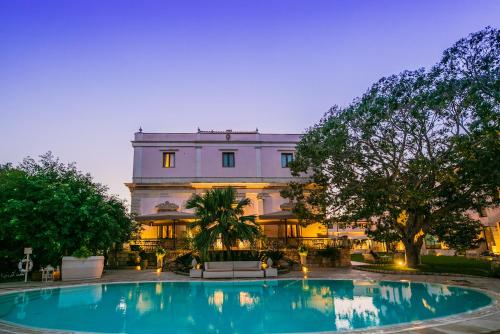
[286,158]
[168,160]
[227,159]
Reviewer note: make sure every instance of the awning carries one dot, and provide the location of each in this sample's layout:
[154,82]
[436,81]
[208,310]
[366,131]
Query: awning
[278,215]
[166,216]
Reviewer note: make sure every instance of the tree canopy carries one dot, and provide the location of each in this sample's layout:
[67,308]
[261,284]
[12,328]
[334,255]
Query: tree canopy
[417,148]
[56,210]
[221,215]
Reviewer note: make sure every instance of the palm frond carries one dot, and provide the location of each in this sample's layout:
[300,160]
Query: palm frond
[220,215]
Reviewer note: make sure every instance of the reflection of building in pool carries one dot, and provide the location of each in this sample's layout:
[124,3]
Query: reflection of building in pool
[437,291]
[359,307]
[396,294]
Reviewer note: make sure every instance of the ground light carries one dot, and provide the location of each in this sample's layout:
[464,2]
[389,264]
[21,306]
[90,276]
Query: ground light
[305,270]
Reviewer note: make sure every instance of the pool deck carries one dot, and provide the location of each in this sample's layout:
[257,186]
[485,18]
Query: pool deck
[486,320]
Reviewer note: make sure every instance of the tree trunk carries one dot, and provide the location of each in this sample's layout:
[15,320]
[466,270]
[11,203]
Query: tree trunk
[412,253]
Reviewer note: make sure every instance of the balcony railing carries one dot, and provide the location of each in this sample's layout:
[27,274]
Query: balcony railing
[150,245]
[311,242]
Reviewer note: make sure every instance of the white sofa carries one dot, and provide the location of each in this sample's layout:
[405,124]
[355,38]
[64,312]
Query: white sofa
[232,269]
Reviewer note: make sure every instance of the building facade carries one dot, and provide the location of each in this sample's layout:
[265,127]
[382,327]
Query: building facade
[170,167]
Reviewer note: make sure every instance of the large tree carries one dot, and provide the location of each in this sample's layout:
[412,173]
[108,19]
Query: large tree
[221,216]
[416,149]
[56,209]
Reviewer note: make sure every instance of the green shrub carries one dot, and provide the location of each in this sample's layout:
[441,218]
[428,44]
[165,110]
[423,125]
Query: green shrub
[82,252]
[55,209]
[275,255]
[135,248]
[330,252]
[143,255]
[303,250]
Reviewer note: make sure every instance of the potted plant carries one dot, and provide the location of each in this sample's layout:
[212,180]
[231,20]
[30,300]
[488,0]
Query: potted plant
[303,254]
[144,259]
[160,254]
[82,265]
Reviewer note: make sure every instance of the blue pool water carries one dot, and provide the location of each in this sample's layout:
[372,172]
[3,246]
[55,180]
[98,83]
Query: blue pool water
[279,306]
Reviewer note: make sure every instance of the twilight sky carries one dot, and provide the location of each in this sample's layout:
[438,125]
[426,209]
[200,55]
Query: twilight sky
[79,77]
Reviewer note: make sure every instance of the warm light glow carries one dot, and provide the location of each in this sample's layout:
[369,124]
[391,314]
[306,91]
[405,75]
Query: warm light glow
[427,306]
[217,299]
[403,218]
[158,270]
[264,265]
[305,270]
[400,263]
[201,185]
[137,267]
[244,244]
[246,299]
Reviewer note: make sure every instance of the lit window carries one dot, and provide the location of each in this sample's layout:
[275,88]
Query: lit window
[168,160]
[286,158]
[227,159]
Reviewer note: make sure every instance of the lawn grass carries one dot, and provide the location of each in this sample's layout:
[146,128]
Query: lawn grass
[357,258]
[455,264]
[443,264]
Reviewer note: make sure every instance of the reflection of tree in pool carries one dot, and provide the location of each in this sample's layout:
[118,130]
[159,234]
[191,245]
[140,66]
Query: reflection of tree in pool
[425,301]
[250,307]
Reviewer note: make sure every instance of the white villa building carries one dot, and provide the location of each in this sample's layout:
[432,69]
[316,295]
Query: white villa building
[170,167]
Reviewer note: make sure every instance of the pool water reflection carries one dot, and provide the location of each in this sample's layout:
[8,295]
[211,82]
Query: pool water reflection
[236,307]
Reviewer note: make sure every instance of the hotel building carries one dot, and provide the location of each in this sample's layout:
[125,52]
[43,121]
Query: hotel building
[170,167]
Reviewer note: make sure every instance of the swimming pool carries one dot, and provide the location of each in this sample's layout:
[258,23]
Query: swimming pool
[278,306]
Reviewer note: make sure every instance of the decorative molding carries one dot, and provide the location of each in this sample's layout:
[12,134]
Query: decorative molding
[288,206]
[166,207]
[226,131]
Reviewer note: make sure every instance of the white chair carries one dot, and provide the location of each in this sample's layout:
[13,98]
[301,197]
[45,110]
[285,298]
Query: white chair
[47,273]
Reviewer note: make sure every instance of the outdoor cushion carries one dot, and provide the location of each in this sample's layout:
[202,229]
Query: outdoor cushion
[247,265]
[248,273]
[218,274]
[219,266]
[225,269]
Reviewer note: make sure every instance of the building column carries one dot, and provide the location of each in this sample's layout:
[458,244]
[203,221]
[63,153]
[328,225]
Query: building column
[261,197]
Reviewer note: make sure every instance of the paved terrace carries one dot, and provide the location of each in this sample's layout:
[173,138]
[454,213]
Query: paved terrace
[486,320]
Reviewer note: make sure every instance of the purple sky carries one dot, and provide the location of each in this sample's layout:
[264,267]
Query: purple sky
[80,77]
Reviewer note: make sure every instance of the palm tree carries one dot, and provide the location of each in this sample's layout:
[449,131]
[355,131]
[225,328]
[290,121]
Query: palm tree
[220,215]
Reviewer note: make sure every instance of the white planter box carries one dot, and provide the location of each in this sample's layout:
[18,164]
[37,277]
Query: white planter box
[271,272]
[195,273]
[74,268]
